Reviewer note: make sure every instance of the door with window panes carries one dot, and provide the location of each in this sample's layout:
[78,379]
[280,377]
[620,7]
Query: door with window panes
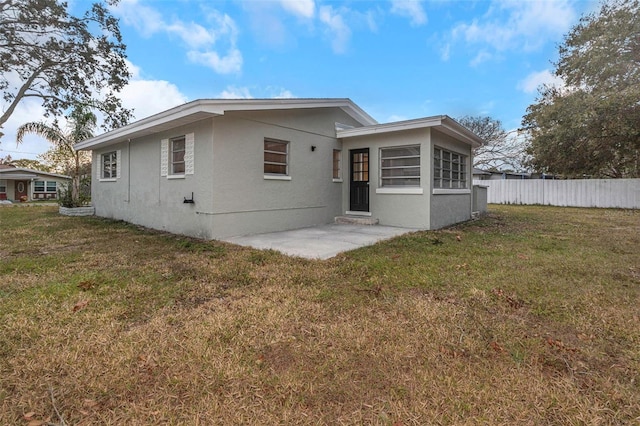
[359,180]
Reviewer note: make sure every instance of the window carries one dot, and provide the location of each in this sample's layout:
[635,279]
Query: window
[44,186]
[400,166]
[177,156]
[449,169]
[109,165]
[177,159]
[276,157]
[337,173]
[3,186]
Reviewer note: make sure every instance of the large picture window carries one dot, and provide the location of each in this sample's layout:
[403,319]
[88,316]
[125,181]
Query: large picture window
[400,166]
[276,157]
[109,165]
[177,156]
[449,169]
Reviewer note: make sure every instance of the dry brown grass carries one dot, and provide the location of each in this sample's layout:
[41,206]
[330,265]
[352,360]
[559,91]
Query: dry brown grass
[532,318]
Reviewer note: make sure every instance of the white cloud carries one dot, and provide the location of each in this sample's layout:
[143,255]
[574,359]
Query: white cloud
[231,63]
[200,41]
[393,118]
[301,8]
[534,80]
[233,92]
[411,9]
[149,97]
[482,56]
[516,25]
[337,29]
[145,96]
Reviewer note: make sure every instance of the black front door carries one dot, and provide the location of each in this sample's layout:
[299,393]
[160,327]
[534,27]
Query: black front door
[359,180]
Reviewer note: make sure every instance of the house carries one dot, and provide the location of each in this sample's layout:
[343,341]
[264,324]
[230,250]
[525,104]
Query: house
[21,184]
[221,168]
[479,174]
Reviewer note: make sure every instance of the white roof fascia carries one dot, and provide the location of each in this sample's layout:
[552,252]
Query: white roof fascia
[443,123]
[27,173]
[204,108]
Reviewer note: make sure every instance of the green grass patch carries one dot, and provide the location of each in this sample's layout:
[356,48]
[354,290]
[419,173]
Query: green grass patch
[527,315]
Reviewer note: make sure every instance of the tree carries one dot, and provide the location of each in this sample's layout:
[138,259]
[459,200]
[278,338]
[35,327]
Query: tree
[63,60]
[591,126]
[501,150]
[30,164]
[81,123]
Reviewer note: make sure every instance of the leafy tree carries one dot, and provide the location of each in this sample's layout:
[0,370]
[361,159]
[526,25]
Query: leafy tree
[81,123]
[63,60]
[31,164]
[591,126]
[501,150]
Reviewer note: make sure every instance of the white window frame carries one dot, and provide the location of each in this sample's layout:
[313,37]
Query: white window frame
[3,186]
[172,161]
[113,157]
[450,171]
[166,157]
[336,162]
[286,163]
[399,186]
[35,186]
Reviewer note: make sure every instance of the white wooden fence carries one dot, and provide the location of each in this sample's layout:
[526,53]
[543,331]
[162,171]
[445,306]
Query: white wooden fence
[618,193]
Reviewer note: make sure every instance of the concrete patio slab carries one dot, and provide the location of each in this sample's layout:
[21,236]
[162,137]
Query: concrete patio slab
[320,242]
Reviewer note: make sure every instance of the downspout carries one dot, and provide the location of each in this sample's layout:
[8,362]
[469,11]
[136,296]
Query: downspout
[128,170]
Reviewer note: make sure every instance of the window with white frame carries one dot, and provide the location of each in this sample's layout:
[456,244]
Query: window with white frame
[178,149]
[400,166]
[449,169]
[3,186]
[337,172]
[109,163]
[45,186]
[276,157]
[177,158]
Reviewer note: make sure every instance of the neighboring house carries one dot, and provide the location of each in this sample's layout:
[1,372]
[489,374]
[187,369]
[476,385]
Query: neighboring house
[479,174]
[20,184]
[222,168]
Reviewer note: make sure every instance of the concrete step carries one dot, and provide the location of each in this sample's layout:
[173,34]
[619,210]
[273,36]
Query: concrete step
[356,220]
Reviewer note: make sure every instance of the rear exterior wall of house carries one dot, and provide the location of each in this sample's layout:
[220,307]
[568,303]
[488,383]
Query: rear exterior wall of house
[226,179]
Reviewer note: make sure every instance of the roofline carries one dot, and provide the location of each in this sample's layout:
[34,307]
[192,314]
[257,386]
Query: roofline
[447,124]
[204,108]
[22,169]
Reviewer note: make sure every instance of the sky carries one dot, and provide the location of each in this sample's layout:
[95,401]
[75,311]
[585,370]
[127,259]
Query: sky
[396,59]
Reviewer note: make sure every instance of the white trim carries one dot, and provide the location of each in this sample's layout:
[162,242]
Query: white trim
[451,191]
[443,123]
[164,157]
[189,141]
[108,180]
[277,177]
[206,108]
[118,163]
[176,177]
[338,180]
[356,213]
[397,190]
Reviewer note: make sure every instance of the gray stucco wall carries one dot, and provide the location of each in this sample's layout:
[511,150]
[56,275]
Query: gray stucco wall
[409,210]
[232,196]
[450,206]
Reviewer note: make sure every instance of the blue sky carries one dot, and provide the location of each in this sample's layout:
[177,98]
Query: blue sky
[395,59]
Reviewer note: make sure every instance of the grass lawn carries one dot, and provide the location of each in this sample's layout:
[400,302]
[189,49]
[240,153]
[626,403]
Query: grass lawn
[530,315]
